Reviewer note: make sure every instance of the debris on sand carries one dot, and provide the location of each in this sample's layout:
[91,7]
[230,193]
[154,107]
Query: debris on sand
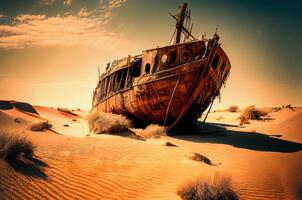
[66,110]
[169,144]
[153,131]
[200,158]
[275,136]
[18,120]
[66,125]
[40,126]
[289,106]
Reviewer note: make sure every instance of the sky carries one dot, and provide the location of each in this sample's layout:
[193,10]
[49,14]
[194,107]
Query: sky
[50,49]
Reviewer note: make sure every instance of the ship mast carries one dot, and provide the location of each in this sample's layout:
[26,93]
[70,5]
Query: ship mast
[180,21]
[183,25]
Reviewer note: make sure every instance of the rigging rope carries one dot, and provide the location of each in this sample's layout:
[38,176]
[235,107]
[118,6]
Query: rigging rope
[168,108]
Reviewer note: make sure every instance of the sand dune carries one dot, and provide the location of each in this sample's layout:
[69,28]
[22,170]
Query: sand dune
[63,122]
[72,166]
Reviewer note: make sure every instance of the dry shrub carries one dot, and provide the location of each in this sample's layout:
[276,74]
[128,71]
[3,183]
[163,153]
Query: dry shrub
[218,187]
[252,113]
[40,126]
[233,108]
[13,145]
[243,120]
[100,122]
[153,131]
[219,118]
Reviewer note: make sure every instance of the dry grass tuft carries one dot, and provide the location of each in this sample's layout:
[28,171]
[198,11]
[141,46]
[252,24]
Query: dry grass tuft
[252,113]
[218,187]
[219,118]
[40,126]
[233,108]
[100,122]
[12,146]
[153,131]
[243,120]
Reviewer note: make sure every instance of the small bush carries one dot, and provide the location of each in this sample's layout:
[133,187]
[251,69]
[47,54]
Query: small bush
[219,118]
[243,120]
[153,131]
[252,113]
[219,187]
[233,108]
[12,146]
[100,122]
[40,126]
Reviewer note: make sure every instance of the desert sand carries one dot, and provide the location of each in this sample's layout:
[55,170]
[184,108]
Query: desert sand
[263,158]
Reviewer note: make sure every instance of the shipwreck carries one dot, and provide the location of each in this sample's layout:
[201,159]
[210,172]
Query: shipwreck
[171,85]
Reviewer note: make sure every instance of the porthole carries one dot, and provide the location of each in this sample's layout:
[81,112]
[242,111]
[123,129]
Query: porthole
[173,57]
[185,56]
[164,58]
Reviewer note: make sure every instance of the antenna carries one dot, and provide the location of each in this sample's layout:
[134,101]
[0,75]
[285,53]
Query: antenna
[217,26]
[99,73]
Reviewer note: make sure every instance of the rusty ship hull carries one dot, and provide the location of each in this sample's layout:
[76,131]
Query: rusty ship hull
[170,86]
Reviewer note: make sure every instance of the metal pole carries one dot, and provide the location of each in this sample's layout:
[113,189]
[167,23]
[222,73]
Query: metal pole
[180,21]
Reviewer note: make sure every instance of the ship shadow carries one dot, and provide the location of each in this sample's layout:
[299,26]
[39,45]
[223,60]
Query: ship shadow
[218,134]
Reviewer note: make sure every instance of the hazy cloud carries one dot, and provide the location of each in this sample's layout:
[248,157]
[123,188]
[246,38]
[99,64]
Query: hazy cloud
[28,30]
[101,4]
[28,18]
[67,2]
[46,2]
[116,3]
[83,12]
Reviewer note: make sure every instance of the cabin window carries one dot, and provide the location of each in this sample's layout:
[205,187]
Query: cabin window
[123,79]
[173,57]
[136,71]
[111,86]
[215,61]
[119,76]
[147,68]
[102,89]
[106,82]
